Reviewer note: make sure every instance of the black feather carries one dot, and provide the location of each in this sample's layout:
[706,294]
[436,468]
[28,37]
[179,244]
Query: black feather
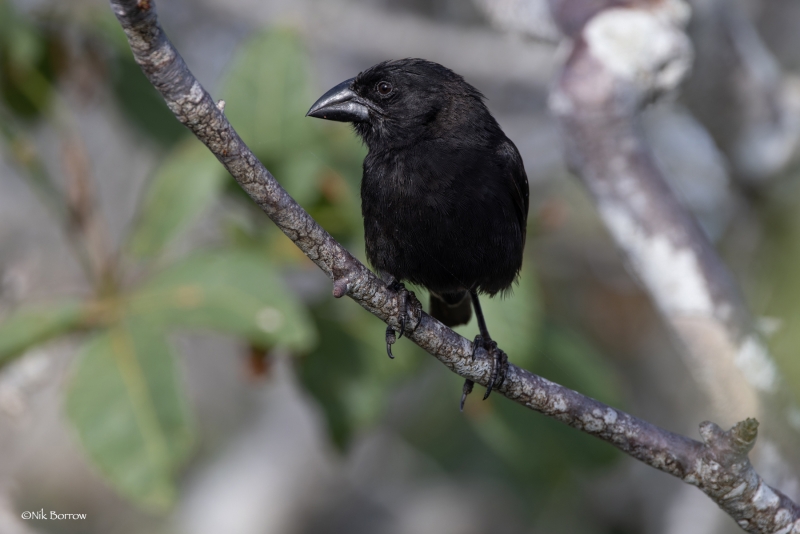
[444,193]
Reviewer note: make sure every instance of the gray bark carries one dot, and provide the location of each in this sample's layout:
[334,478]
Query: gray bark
[718,466]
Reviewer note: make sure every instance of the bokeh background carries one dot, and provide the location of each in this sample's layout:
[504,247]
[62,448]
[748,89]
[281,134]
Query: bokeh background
[173,364]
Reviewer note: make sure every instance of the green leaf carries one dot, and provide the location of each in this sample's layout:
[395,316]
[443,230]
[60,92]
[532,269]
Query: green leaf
[185,184]
[234,291]
[126,403]
[267,95]
[33,325]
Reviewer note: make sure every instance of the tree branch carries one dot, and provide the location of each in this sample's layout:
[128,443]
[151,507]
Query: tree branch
[622,58]
[742,96]
[718,466]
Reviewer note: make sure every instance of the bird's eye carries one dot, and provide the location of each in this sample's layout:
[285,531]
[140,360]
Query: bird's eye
[384,88]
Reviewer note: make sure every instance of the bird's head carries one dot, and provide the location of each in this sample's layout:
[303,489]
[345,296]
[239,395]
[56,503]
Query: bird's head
[399,101]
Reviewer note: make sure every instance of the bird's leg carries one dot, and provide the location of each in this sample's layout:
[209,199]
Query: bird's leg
[484,342]
[405,299]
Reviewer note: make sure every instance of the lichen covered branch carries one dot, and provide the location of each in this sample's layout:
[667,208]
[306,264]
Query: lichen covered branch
[718,466]
[623,58]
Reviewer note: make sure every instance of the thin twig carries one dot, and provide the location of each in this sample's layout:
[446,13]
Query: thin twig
[718,466]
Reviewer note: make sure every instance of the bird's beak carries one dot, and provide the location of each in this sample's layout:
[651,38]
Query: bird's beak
[340,104]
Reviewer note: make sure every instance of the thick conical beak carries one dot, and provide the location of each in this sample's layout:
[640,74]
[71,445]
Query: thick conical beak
[340,104]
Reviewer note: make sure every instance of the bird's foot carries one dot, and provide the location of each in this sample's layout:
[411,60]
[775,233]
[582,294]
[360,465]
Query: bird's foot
[499,367]
[406,301]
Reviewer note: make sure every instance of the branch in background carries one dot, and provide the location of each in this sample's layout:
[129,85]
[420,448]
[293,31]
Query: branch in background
[30,163]
[83,216]
[741,94]
[76,208]
[622,58]
[718,466]
[528,17]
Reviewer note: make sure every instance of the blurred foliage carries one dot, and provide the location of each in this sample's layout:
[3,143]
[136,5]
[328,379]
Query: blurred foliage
[29,58]
[514,320]
[125,396]
[499,438]
[127,405]
[349,371]
[778,259]
[186,183]
[231,290]
[141,104]
[267,94]
[35,324]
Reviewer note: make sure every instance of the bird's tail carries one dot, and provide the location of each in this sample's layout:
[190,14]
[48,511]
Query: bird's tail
[452,309]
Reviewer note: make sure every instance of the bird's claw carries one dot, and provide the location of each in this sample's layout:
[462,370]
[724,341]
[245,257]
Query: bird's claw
[499,367]
[406,299]
[402,318]
[390,340]
[465,391]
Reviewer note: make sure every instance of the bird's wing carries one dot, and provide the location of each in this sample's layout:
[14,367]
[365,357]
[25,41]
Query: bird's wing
[514,172]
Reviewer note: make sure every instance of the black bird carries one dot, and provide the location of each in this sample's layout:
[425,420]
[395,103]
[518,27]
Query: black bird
[444,193]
